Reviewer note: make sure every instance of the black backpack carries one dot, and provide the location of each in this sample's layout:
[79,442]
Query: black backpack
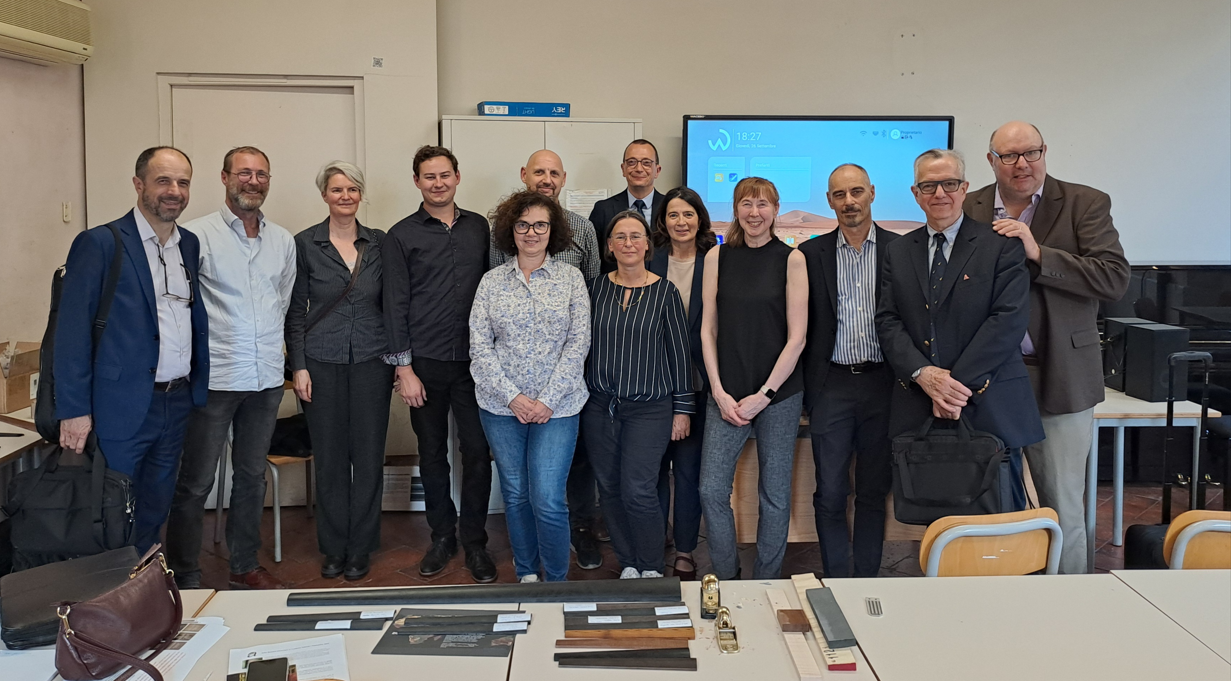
[45,407]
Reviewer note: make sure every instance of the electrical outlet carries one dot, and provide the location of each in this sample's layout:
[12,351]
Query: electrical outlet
[66,212]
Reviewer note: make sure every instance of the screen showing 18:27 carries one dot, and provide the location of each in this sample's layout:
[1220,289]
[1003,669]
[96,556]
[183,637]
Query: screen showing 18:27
[797,155]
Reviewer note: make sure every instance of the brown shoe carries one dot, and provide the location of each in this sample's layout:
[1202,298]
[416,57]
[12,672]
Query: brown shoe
[255,579]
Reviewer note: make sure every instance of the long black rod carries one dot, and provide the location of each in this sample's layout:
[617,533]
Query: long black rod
[601,590]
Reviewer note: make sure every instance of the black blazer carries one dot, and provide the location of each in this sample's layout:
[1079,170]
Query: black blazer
[601,216]
[980,322]
[658,265]
[821,255]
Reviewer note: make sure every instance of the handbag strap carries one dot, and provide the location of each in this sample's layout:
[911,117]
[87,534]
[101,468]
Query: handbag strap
[350,285]
[79,640]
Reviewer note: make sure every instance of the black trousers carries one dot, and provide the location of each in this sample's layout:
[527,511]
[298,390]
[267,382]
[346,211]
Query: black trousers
[851,419]
[581,491]
[626,442]
[449,386]
[684,457]
[348,419]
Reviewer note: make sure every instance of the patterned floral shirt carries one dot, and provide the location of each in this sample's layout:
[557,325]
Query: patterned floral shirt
[530,338]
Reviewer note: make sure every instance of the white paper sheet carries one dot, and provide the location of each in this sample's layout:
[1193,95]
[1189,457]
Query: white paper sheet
[581,201]
[315,659]
[35,665]
[195,638]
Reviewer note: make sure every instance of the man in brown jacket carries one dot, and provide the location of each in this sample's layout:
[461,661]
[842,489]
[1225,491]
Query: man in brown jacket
[1075,260]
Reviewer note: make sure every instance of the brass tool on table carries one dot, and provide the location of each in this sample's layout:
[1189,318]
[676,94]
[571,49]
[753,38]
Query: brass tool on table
[728,642]
[711,600]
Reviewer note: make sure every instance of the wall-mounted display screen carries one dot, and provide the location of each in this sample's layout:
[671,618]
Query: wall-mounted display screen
[798,153]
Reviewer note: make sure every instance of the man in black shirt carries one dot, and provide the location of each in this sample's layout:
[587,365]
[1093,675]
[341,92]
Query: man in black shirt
[433,261]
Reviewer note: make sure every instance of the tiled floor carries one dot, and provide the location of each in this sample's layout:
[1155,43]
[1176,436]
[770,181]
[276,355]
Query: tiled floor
[404,538]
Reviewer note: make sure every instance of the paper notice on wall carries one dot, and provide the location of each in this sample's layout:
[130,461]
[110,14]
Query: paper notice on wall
[581,201]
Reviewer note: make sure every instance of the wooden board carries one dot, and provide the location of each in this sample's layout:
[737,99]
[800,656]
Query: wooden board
[688,633]
[623,643]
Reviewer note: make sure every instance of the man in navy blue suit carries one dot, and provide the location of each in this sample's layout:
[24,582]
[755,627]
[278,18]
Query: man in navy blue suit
[150,368]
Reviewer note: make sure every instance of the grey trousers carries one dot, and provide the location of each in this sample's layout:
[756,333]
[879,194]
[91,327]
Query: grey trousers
[1058,468]
[776,427]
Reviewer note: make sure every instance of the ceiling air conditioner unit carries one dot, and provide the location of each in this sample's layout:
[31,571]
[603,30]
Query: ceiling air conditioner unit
[45,31]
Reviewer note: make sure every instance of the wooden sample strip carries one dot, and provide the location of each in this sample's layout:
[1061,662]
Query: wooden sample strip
[624,643]
[841,659]
[684,633]
[623,654]
[796,642]
[687,664]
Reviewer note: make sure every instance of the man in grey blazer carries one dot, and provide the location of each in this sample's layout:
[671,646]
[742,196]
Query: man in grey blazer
[1075,260]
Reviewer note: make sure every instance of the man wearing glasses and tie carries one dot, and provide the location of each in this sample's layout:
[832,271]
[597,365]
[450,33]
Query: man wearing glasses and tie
[640,169]
[135,388]
[247,273]
[953,308]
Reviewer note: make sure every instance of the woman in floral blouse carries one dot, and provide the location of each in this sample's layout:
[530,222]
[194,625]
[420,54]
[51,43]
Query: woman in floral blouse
[529,335]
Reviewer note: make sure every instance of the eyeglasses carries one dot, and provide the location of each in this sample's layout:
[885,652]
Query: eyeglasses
[166,284]
[633,238]
[1030,156]
[539,227]
[261,176]
[949,186]
[646,163]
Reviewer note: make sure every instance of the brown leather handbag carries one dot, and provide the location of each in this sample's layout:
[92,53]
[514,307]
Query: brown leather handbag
[99,636]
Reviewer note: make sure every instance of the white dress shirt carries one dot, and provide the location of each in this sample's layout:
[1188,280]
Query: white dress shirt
[246,286]
[648,213]
[174,317]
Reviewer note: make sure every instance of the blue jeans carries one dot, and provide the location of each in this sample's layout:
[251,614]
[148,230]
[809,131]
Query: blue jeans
[533,462]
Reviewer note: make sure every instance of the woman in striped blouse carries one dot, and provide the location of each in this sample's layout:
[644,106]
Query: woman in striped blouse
[640,380]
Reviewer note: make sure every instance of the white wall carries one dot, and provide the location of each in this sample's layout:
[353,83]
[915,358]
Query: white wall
[41,167]
[1133,98]
[137,40]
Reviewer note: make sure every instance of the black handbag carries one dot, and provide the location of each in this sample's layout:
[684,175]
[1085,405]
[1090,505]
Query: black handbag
[61,512]
[28,599]
[939,472]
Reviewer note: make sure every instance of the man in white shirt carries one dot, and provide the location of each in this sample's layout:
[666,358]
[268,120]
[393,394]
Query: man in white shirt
[247,272]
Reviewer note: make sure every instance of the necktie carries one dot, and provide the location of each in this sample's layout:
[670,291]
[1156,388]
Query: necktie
[938,268]
[937,276]
[639,206]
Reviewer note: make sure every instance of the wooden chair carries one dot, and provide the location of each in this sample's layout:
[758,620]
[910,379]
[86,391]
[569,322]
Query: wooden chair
[998,544]
[1199,540]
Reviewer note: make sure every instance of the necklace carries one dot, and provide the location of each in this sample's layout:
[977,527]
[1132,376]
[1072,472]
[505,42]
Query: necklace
[644,281]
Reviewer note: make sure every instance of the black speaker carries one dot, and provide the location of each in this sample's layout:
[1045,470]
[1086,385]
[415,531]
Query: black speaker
[1146,349]
[1113,349]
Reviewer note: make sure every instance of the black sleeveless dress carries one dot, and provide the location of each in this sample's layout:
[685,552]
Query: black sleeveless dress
[752,318]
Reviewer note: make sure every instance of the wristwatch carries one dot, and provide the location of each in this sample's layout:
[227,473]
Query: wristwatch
[768,391]
[915,376]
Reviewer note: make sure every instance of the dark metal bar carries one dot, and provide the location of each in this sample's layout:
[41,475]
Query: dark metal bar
[602,590]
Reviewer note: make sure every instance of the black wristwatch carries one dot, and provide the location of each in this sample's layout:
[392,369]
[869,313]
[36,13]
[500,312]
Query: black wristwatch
[768,391]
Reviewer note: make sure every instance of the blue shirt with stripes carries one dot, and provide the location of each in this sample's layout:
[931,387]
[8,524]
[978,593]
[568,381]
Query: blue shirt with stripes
[856,340]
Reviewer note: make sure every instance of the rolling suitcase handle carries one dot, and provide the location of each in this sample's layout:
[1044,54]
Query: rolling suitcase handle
[1207,362]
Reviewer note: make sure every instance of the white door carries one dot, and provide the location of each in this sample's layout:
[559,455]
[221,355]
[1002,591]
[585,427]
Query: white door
[299,128]
[490,155]
[592,152]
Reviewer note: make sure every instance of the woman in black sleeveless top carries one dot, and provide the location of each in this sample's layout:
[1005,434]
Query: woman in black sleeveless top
[755,319]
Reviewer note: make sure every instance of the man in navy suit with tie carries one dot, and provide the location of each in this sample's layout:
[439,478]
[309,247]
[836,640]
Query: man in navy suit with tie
[846,381]
[640,169]
[954,305]
[151,364]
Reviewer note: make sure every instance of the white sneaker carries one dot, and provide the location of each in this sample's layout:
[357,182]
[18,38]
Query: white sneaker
[631,573]
[650,574]
[528,579]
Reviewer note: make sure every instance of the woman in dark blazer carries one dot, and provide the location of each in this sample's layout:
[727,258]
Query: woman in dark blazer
[682,235]
[335,336]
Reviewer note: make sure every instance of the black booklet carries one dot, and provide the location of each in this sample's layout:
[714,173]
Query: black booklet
[464,633]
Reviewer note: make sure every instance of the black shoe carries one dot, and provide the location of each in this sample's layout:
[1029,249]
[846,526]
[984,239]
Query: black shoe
[588,555]
[438,556]
[357,567]
[600,530]
[332,566]
[480,564]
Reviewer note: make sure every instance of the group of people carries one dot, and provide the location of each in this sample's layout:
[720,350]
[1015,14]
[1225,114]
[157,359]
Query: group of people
[610,366]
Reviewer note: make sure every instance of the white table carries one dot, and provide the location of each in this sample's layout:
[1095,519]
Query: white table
[194,600]
[763,653]
[1198,600]
[1119,411]
[1077,627]
[241,610]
